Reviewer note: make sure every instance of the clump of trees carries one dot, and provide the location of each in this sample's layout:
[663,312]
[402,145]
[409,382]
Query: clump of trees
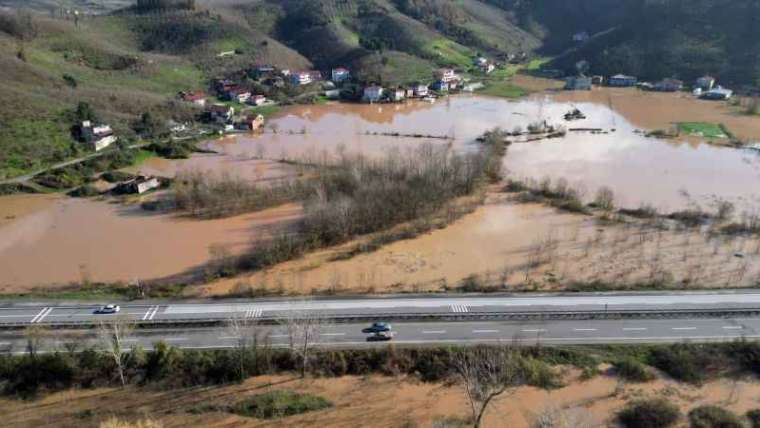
[714,417]
[649,413]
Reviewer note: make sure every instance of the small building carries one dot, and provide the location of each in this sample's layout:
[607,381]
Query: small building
[239,95]
[480,61]
[445,74]
[410,92]
[705,83]
[581,37]
[420,90]
[597,80]
[578,83]
[668,85]
[373,93]
[220,113]
[224,85]
[719,93]
[139,185]
[622,81]
[440,86]
[340,74]
[98,137]
[257,100]
[251,123]
[300,78]
[397,94]
[198,97]
[487,68]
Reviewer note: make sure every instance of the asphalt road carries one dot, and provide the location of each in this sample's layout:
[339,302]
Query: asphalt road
[380,308]
[429,333]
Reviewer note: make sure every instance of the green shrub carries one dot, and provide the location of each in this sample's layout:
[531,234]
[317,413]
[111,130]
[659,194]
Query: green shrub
[632,370]
[649,413]
[754,418]
[713,417]
[278,404]
[116,176]
[685,362]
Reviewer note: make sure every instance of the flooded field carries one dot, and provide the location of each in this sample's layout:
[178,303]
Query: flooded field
[101,241]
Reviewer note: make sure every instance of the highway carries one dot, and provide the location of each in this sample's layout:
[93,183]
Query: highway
[546,318]
[431,333]
[434,307]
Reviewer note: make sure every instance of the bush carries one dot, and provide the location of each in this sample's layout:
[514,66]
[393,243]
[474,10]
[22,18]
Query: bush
[632,370]
[754,418]
[685,362]
[278,404]
[116,176]
[86,191]
[713,417]
[650,413]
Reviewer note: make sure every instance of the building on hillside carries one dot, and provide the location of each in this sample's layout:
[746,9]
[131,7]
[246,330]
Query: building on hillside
[480,61]
[239,95]
[718,93]
[419,90]
[445,74]
[487,68]
[195,97]
[578,83]
[622,81]
[340,75]
[223,86]
[250,123]
[257,100]
[300,78]
[668,85]
[597,80]
[220,113]
[440,86]
[98,137]
[139,185]
[581,37]
[705,83]
[373,93]
[397,94]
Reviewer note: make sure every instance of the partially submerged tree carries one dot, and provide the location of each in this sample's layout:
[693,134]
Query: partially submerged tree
[35,336]
[248,336]
[487,373]
[112,335]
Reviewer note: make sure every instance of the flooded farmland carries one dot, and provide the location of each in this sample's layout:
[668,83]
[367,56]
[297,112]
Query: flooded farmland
[103,241]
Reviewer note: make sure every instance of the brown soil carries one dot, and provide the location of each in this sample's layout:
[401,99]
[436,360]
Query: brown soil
[372,401]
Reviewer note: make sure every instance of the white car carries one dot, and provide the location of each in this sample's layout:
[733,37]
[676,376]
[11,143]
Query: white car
[108,309]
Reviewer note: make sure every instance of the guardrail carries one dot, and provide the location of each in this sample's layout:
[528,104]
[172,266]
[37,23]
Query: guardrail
[210,321]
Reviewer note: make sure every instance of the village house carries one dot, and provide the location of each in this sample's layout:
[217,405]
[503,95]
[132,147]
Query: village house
[285,72]
[705,83]
[419,90]
[718,93]
[220,113]
[440,86]
[397,94]
[445,74]
[578,83]
[480,61]
[597,80]
[257,100]
[373,93]
[409,92]
[340,74]
[238,94]
[223,86]
[622,81]
[98,137]
[139,185]
[300,78]
[668,85]
[198,98]
[487,68]
[250,123]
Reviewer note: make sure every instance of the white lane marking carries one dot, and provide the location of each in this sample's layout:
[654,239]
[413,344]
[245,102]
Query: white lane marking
[147,313]
[534,330]
[634,328]
[733,327]
[153,314]
[683,328]
[584,329]
[484,331]
[460,308]
[333,334]
[39,320]
[42,313]
[433,331]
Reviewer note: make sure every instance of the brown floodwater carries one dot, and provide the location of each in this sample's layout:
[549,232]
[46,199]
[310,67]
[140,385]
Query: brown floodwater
[110,242]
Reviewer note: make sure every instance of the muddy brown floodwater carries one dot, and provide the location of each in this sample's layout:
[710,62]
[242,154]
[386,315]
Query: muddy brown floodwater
[48,240]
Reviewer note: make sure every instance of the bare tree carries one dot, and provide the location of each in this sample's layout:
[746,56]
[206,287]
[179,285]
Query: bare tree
[112,335]
[487,373]
[35,336]
[248,335]
[303,329]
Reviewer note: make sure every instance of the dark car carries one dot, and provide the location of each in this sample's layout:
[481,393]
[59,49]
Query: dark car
[380,336]
[377,327]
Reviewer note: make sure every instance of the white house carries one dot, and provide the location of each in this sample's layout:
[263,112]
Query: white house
[445,74]
[257,100]
[300,78]
[373,93]
[420,90]
[221,113]
[99,137]
[397,94]
[340,74]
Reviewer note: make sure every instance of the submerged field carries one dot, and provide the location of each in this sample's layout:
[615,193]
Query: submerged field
[493,244]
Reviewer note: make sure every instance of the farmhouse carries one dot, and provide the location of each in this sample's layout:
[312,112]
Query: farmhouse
[98,137]
[622,81]
[198,98]
[139,185]
[300,78]
[419,90]
[445,74]
[397,94]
